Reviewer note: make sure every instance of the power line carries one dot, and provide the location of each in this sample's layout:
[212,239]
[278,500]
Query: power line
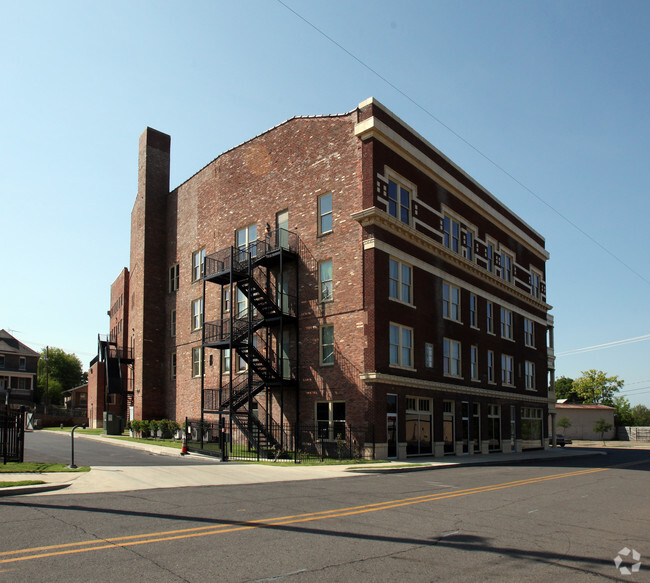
[466,142]
[603,346]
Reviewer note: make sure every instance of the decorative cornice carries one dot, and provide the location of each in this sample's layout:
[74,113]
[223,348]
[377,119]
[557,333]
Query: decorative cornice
[375,128]
[377,377]
[375,216]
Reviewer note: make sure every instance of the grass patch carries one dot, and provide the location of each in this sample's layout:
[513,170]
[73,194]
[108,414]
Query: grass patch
[38,468]
[21,483]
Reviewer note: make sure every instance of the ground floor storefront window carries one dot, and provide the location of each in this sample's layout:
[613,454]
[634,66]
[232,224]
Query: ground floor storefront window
[419,426]
[494,428]
[531,427]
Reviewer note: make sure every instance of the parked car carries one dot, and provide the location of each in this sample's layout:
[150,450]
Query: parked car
[562,441]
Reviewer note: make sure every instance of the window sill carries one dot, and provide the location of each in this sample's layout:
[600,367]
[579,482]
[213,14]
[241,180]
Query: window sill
[452,320]
[453,376]
[403,303]
[400,367]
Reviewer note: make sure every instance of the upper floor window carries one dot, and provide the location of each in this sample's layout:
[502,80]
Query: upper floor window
[468,245]
[22,363]
[507,262]
[399,281]
[535,279]
[401,345]
[428,355]
[198,263]
[197,362]
[450,301]
[327,344]
[325,223]
[173,278]
[246,239]
[529,375]
[172,323]
[451,234]
[490,317]
[506,324]
[473,314]
[225,299]
[173,366]
[490,366]
[2,360]
[451,357]
[507,369]
[197,314]
[529,333]
[474,362]
[490,251]
[325,281]
[399,202]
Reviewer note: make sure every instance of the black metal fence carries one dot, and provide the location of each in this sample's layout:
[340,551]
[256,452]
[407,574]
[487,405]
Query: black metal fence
[12,436]
[247,439]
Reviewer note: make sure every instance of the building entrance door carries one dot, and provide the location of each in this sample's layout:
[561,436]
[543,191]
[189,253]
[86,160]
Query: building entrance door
[391,425]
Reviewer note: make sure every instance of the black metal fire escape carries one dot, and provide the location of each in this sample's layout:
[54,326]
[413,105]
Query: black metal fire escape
[257,329]
[114,357]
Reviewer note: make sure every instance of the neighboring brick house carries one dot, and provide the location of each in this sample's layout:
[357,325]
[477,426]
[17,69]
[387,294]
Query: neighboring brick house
[18,371]
[392,294]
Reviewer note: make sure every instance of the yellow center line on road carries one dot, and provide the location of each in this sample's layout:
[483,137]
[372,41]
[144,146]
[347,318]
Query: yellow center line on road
[116,542]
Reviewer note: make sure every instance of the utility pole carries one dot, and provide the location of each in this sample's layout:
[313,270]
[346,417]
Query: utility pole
[47,376]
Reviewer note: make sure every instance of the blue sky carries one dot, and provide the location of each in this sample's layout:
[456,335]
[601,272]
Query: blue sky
[554,92]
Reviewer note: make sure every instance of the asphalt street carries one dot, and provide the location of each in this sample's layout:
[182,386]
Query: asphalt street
[556,520]
[56,447]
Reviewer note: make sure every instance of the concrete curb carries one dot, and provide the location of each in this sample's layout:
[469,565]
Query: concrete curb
[33,489]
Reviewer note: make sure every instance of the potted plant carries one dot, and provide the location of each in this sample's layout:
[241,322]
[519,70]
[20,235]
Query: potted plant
[154,426]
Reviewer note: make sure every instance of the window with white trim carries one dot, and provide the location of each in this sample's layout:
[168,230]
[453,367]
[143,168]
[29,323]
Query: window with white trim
[173,278]
[225,360]
[197,314]
[489,314]
[507,262]
[490,251]
[325,281]
[507,369]
[490,366]
[473,313]
[529,333]
[468,244]
[197,362]
[22,363]
[529,375]
[327,345]
[451,234]
[399,201]
[198,264]
[400,345]
[506,323]
[246,239]
[474,362]
[451,358]
[428,355]
[400,281]
[535,287]
[325,215]
[330,419]
[450,301]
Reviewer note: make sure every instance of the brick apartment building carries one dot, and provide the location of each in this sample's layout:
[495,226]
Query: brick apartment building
[337,271]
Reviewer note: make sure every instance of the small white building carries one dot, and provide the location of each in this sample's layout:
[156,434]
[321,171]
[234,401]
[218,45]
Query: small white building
[583,418]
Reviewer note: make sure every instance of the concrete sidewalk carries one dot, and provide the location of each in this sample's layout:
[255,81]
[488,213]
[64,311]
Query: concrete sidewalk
[127,478]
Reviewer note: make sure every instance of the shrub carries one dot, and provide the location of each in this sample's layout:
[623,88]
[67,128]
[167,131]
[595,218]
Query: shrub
[145,428]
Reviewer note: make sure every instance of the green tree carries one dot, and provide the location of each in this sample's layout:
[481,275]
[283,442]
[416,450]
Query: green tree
[623,415]
[564,423]
[58,371]
[640,416]
[564,390]
[601,427]
[595,387]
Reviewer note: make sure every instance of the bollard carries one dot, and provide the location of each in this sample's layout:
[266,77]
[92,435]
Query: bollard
[72,464]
